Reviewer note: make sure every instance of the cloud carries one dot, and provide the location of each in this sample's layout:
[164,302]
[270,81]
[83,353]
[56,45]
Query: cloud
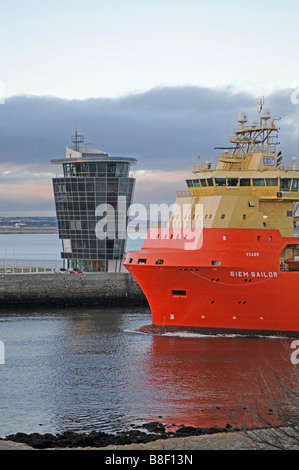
[26,199]
[164,128]
[159,186]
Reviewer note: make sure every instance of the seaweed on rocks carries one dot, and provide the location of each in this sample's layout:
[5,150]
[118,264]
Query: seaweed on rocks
[71,439]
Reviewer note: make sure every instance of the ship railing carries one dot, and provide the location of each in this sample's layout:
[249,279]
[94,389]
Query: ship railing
[291,167]
[205,167]
[183,193]
[230,155]
[157,224]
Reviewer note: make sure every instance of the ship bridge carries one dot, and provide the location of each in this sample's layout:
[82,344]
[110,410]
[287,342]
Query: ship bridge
[250,186]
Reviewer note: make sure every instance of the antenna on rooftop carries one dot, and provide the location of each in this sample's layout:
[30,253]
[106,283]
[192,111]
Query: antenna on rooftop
[77,139]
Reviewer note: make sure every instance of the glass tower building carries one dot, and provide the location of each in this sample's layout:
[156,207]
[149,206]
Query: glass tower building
[92,197]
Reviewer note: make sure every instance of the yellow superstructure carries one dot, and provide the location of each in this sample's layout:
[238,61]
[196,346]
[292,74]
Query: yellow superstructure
[249,187]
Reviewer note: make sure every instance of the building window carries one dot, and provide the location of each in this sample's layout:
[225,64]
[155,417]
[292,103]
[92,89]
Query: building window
[67,245]
[75,225]
[289,213]
[111,169]
[222,216]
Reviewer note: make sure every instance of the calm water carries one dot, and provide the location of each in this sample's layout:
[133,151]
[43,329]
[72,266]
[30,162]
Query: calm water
[85,369]
[92,369]
[30,246]
[39,246]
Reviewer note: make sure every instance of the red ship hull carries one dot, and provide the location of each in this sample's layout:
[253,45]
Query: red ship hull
[231,284]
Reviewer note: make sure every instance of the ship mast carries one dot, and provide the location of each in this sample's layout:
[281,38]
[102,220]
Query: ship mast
[255,137]
[249,187]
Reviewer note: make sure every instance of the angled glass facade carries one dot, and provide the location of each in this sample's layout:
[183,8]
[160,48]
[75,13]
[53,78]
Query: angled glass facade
[92,197]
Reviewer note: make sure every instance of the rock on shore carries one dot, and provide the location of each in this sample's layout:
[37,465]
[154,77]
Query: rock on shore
[153,431]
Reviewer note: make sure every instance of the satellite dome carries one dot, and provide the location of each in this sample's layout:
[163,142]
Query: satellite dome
[265,113]
[253,123]
[242,117]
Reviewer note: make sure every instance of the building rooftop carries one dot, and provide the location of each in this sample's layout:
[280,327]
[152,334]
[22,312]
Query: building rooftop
[88,154]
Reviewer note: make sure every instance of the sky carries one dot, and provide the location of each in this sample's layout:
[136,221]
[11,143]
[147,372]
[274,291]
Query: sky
[159,80]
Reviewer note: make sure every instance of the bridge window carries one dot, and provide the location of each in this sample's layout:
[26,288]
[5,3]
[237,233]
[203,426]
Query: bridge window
[258,181]
[203,182]
[210,181]
[244,181]
[189,183]
[220,181]
[196,183]
[285,184]
[271,181]
[141,261]
[159,261]
[295,185]
[232,182]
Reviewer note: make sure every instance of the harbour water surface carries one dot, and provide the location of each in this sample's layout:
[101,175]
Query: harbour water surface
[91,369]
[86,370]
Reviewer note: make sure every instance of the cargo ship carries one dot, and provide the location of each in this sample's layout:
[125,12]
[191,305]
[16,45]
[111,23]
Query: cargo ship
[227,260]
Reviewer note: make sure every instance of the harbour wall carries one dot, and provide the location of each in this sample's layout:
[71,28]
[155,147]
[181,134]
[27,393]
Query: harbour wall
[70,290]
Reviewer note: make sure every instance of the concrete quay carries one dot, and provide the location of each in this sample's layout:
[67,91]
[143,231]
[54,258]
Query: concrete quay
[69,290]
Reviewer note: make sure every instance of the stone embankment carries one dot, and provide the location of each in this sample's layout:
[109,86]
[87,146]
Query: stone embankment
[69,290]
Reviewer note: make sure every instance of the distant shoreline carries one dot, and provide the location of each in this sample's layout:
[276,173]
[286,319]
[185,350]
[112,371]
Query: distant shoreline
[49,230]
[29,230]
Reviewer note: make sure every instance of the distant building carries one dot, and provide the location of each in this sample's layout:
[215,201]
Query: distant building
[91,179]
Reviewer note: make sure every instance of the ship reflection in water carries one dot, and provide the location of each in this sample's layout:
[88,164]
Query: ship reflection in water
[92,369]
[207,381]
